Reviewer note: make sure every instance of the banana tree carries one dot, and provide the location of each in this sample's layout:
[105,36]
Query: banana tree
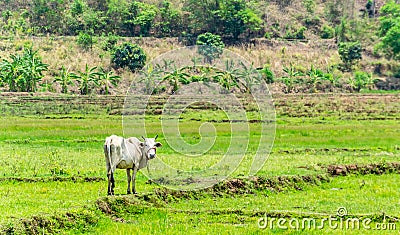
[65,78]
[291,77]
[148,77]
[86,79]
[33,69]
[107,78]
[176,77]
[228,77]
[315,76]
[23,72]
[248,76]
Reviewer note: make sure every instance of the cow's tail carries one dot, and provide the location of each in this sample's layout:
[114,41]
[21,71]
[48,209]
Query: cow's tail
[107,150]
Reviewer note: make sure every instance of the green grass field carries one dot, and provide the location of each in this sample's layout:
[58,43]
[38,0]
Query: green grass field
[53,170]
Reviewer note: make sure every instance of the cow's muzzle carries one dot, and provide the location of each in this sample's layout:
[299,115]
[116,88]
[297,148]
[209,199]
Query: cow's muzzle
[151,153]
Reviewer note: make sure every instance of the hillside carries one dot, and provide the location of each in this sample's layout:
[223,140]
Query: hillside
[302,36]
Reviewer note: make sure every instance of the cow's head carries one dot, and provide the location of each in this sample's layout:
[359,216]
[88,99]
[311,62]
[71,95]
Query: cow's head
[150,147]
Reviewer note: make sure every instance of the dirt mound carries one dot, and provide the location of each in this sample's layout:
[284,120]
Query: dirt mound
[376,169]
[80,220]
[54,178]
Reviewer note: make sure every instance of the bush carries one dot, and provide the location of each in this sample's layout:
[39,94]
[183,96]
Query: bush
[23,72]
[85,40]
[361,80]
[327,32]
[211,46]
[350,53]
[129,55]
[298,34]
[267,74]
[109,42]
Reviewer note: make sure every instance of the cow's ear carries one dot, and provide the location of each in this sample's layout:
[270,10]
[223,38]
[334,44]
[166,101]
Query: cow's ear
[158,144]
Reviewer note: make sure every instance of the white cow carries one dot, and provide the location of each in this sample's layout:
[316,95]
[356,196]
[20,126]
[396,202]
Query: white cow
[127,154]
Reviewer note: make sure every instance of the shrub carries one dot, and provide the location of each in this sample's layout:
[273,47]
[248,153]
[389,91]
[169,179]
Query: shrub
[298,34]
[211,46]
[85,40]
[309,5]
[267,74]
[350,53]
[361,80]
[109,42]
[327,32]
[23,72]
[129,55]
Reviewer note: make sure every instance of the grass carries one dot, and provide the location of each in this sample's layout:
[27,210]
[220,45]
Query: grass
[41,155]
[239,214]
[34,147]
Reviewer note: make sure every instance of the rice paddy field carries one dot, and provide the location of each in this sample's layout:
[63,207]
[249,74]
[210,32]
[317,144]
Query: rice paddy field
[333,168]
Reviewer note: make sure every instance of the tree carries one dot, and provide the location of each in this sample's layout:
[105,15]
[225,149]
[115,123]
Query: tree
[350,53]
[228,77]
[391,41]
[129,55]
[210,46]
[292,77]
[65,79]
[107,78]
[46,16]
[236,18]
[86,79]
[139,15]
[230,18]
[389,29]
[149,77]
[169,21]
[176,77]
[248,77]
[23,72]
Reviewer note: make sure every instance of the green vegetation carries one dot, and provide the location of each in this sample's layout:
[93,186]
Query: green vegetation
[129,55]
[23,72]
[211,46]
[310,33]
[350,54]
[65,64]
[389,28]
[58,156]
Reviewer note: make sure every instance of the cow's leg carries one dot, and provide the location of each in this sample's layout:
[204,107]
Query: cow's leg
[128,175]
[111,183]
[135,169]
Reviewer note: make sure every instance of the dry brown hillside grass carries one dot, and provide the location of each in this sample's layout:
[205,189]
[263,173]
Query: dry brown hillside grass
[64,51]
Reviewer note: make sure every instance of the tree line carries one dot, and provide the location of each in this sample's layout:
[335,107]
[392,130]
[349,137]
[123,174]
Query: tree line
[231,18]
